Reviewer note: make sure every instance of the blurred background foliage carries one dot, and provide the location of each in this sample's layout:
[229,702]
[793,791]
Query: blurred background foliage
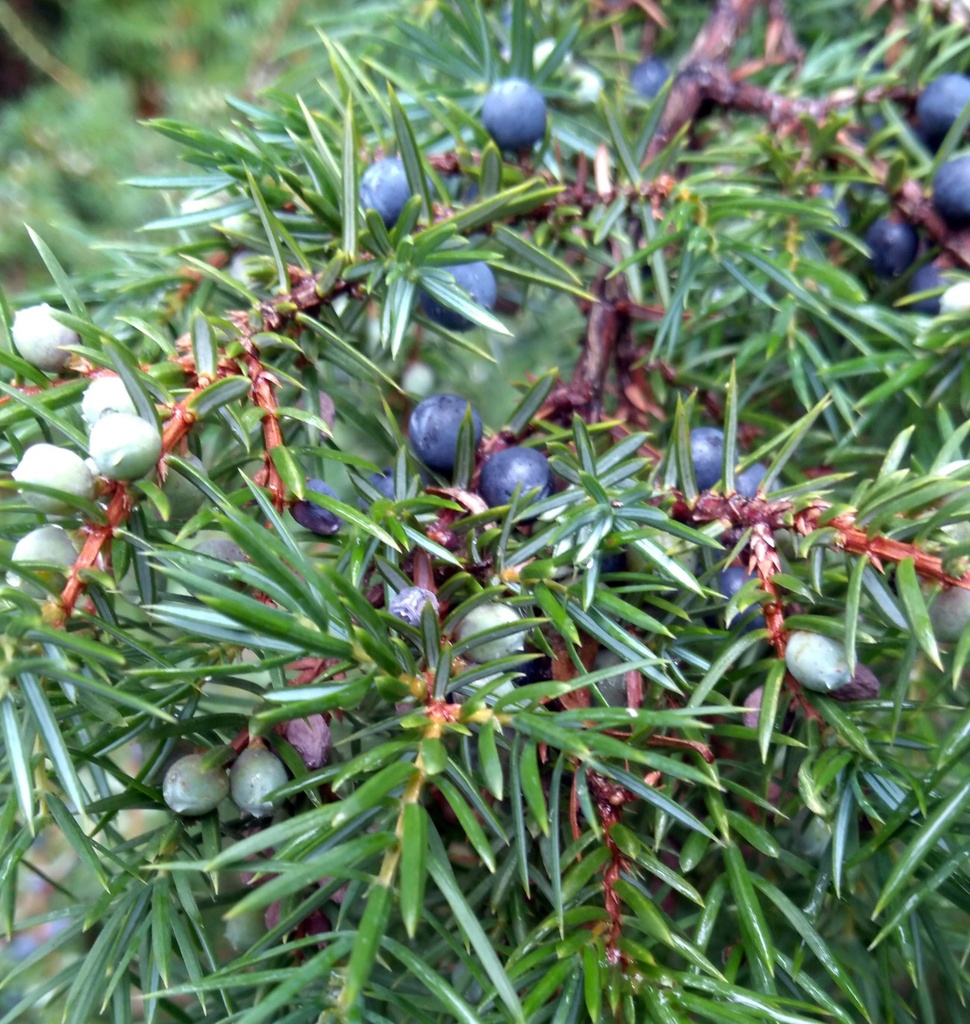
[76,78]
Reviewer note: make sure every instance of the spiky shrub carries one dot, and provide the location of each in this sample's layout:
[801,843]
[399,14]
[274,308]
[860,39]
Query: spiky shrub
[714,841]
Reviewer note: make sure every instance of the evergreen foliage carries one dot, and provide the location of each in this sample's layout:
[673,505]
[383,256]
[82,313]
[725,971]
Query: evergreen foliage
[470,828]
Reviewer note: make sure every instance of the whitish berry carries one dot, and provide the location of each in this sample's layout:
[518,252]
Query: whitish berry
[950,613]
[817,662]
[47,546]
[255,774]
[487,617]
[475,278]
[189,789]
[408,604]
[41,340]
[433,429]
[184,498]
[104,395]
[314,517]
[513,468]
[514,114]
[586,85]
[418,379]
[956,299]
[124,447]
[60,468]
[246,929]
[384,187]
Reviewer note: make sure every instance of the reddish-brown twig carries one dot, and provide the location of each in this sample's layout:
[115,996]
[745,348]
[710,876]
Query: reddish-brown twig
[118,510]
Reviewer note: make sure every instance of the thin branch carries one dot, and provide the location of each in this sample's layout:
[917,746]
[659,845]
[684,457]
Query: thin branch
[119,508]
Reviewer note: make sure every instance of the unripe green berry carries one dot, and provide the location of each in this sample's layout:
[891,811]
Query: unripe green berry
[189,789]
[817,662]
[125,447]
[60,468]
[41,340]
[486,617]
[48,545]
[184,498]
[245,929]
[105,395]
[814,838]
[224,549]
[950,613]
[613,688]
[253,776]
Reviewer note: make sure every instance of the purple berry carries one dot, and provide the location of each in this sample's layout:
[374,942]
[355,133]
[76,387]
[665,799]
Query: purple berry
[434,426]
[748,482]
[729,582]
[316,518]
[707,454]
[649,77]
[940,105]
[925,279]
[475,278]
[893,246]
[752,702]
[513,468]
[514,114]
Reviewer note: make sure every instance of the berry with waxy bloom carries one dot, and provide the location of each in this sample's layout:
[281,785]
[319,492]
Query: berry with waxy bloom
[475,278]
[59,468]
[124,447]
[515,468]
[384,187]
[41,340]
[434,426]
[314,517]
[486,617]
[255,774]
[189,789]
[105,395]
[514,114]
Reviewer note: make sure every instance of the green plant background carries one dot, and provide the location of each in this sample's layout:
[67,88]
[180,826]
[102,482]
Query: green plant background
[864,404]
